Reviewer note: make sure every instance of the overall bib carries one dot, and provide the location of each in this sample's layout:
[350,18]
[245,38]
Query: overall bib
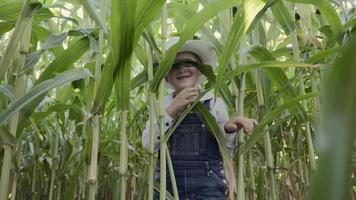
[196,161]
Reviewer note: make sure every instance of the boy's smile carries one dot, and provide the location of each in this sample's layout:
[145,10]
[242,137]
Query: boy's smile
[184,74]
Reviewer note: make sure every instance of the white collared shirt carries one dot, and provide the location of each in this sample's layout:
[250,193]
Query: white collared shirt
[218,110]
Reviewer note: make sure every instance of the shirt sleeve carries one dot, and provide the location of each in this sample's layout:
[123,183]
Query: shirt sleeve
[219,110]
[156,139]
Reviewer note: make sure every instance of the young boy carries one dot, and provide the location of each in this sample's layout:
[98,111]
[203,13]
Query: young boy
[194,151]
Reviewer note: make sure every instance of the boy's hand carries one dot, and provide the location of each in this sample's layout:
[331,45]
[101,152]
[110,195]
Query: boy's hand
[183,98]
[236,123]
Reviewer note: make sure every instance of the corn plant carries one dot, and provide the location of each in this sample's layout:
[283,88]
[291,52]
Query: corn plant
[78,84]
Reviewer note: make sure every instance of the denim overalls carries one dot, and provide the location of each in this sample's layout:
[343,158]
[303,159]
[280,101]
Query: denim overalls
[196,161]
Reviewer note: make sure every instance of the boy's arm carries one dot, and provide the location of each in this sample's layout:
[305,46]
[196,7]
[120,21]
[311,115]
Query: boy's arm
[220,112]
[172,108]
[146,133]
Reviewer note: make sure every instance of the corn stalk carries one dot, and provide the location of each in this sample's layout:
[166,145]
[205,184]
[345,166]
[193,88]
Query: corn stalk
[20,89]
[151,99]
[163,145]
[20,29]
[241,135]
[296,57]
[266,140]
[92,177]
[55,162]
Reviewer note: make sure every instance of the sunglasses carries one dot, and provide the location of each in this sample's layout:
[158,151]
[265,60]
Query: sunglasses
[181,63]
[185,63]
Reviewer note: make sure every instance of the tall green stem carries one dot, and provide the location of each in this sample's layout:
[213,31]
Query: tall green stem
[14,185]
[307,127]
[92,178]
[266,139]
[171,174]
[54,164]
[123,154]
[241,143]
[20,89]
[19,31]
[151,99]
[163,145]
[241,136]
[296,58]
[251,176]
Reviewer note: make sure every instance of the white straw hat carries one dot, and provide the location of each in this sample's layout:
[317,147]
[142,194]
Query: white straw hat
[198,47]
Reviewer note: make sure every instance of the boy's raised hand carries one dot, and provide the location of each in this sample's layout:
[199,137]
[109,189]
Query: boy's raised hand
[182,99]
[236,123]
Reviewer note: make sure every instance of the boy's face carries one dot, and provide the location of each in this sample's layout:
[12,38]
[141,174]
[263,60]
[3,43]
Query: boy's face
[184,75]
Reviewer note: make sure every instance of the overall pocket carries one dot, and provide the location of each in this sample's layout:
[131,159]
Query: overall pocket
[220,177]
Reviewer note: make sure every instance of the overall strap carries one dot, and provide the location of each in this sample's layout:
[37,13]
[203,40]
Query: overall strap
[207,103]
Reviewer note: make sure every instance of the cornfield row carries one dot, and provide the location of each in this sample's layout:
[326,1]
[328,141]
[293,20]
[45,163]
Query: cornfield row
[77,85]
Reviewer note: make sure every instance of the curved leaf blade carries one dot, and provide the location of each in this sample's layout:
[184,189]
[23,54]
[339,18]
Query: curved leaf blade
[42,88]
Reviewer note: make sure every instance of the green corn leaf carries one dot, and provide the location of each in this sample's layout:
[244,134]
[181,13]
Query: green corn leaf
[54,40]
[139,80]
[28,10]
[40,33]
[260,14]
[10,10]
[5,27]
[89,6]
[156,187]
[245,15]
[7,90]
[283,17]
[182,13]
[150,38]
[62,62]
[31,60]
[124,36]
[105,85]
[210,122]
[192,26]
[70,190]
[279,78]
[141,55]
[258,132]
[57,108]
[330,14]
[118,62]
[349,24]
[207,71]
[336,138]
[138,113]
[42,88]
[260,187]
[323,55]
[283,51]
[6,137]
[145,15]
[65,58]
[267,64]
